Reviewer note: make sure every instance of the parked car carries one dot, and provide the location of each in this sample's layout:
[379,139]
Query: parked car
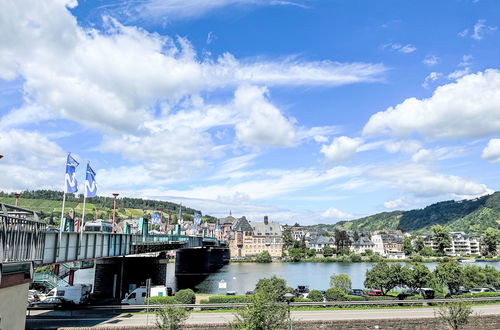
[356,292]
[373,292]
[53,303]
[426,293]
[231,293]
[248,293]
[477,290]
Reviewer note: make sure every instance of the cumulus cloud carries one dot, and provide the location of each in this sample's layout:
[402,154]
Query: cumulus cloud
[492,151]
[433,76]
[467,108]
[401,48]
[431,60]
[336,214]
[341,150]
[478,31]
[396,203]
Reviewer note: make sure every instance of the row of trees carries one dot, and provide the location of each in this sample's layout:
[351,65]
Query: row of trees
[386,276]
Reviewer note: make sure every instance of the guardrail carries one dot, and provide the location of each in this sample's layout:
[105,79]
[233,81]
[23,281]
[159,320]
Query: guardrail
[299,304]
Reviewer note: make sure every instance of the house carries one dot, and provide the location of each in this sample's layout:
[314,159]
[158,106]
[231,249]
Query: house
[387,243]
[362,244]
[461,244]
[320,242]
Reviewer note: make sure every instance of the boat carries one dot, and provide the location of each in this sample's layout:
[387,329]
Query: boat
[467,260]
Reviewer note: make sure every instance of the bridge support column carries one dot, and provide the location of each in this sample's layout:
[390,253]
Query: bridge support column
[71,277]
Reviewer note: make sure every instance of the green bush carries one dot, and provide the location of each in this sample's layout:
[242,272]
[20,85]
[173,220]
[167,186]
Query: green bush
[335,295]
[355,257]
[223,299]
[315,295]
[477,295]
[161,300]
[298,299]
[355,298]
[375,257]
[345,258]
[185,296]
[263,257]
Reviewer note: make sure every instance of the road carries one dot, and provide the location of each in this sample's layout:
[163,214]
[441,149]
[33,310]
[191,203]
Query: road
[50,320]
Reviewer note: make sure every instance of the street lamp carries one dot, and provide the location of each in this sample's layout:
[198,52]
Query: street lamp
[288,297]
[114,211]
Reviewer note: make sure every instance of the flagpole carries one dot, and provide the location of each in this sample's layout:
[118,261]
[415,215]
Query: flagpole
[61,224]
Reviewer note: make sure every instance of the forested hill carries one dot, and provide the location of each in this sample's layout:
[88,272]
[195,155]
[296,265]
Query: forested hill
[471,216]
[49,202]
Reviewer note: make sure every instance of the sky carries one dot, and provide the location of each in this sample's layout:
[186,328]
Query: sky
[309,111]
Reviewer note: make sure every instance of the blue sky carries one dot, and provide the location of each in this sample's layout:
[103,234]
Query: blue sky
[309,111]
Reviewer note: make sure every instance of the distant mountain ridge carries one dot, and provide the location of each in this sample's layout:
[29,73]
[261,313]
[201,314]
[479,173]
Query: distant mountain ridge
[470,216]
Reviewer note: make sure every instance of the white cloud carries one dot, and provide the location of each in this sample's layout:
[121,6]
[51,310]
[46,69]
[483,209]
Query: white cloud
[492,151]
[466,108]
[335,214]
[433,76]
[480,29]
[422,182]
[431,60]
[341,150]
[407,146]
[459,73]
[396,203]
[400,48]
[463,34]
[432,155]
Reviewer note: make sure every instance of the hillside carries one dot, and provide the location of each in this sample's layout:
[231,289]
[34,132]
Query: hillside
[49,203]
[471,216]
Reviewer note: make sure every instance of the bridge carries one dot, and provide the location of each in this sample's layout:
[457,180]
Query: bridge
[121,260]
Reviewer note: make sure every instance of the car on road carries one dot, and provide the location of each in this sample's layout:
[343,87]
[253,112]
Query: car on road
[53,303]
[356,292]
[371,292]
[478,290]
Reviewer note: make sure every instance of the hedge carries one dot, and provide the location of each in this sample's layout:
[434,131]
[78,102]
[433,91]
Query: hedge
[185,296]
[299,299]
[162,300]
[477,295]
[223,299]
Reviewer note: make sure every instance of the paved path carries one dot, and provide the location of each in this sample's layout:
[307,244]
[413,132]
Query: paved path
[39,320]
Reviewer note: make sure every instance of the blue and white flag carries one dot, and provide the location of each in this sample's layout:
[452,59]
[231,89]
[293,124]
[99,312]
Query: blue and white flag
[70,183]
[90,186]
[197,218]
[155,218]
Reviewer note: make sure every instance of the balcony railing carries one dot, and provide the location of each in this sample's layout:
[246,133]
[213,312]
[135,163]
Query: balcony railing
[21,239]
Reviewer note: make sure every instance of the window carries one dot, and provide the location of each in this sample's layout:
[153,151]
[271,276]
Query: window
[131,296]
[144,294]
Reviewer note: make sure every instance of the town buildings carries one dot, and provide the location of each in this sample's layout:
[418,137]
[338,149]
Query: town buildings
[461,244]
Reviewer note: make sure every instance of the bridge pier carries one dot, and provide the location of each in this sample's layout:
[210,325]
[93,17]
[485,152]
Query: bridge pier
[114,277]
[200,261]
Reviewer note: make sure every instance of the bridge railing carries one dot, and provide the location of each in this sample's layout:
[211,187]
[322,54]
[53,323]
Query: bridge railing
[21,239]
[154,239]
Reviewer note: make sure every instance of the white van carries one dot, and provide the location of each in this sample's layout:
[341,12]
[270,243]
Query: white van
[138,296]
[79,294]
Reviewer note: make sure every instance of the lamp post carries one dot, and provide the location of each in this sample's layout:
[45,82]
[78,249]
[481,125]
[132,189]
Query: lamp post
[114,212]
[288,297]
[17,198]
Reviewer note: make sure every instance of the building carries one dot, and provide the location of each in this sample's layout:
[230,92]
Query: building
[320,242]
[297,233]
[385,244]
[362,244]
[247,239]
[461,244]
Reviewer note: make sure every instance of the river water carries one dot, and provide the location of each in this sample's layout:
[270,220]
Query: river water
[242,277]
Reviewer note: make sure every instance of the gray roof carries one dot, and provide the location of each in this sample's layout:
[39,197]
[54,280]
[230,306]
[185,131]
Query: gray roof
[363,241]
[322,240]
[261,229]
[229,220]
[242,224]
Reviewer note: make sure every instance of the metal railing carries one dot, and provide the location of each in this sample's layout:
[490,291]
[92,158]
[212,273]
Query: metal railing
[155,239]
[51,279]
[21,239]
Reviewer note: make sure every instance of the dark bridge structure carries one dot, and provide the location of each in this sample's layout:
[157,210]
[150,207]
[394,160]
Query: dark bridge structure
[122,261]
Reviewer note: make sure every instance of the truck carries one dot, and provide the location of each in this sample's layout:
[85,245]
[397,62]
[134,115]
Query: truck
[138,296]
[78,294]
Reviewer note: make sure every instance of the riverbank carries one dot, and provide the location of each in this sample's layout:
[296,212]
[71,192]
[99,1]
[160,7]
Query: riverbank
[366,259]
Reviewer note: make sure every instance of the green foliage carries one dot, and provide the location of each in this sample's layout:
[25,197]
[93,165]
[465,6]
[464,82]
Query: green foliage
[355,257]
[223,299]
[170,317]
[491,240]
[449,273]
[185,296]
[375,258]
[311,253]
[274,288]
[264,257]
[264,313]
[327,251]
[442,238]
[427,251]
[333,294]
[477,295]
[296,254]
[341,282]
[161,300]
[384,276]
[407,246]
[418,276]
[299,299]
[455,314]
[315,295]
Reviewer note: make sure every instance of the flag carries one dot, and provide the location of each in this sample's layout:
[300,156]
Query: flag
[90,186]
[155,218]
[70,183]
[197,218]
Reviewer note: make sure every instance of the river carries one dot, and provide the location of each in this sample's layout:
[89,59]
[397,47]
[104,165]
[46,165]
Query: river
[242,277]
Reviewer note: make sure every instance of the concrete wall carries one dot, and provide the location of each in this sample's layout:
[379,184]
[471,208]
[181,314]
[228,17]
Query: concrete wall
[13,307]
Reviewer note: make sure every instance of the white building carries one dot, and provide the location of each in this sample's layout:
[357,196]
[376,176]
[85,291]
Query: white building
[461,244]
[362,244]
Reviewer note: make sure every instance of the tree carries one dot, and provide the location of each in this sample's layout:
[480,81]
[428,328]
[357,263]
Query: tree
[287,239]
[355,236]
[384,276]
[315,295]
[442,237]
[264,313]
[418,276]
[170,317]
[427,251]
[456,314]
[341,282]
[311,253]
[274,288]
[449,273]
[407,246]
[296,254]
[327,251]
[491,240]
[185,296]
[335,295]
[264,257]
[342,240]
[419,244]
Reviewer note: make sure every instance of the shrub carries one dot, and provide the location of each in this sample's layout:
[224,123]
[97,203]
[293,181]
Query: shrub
[342,282]
[185,296]
[161,300]
[477,295]
[355,257]
[170,317]
[335,295]
[299,299]
[273,287]
[375,257]
[315,295]
[264,257]
[345,258]
[223,299]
